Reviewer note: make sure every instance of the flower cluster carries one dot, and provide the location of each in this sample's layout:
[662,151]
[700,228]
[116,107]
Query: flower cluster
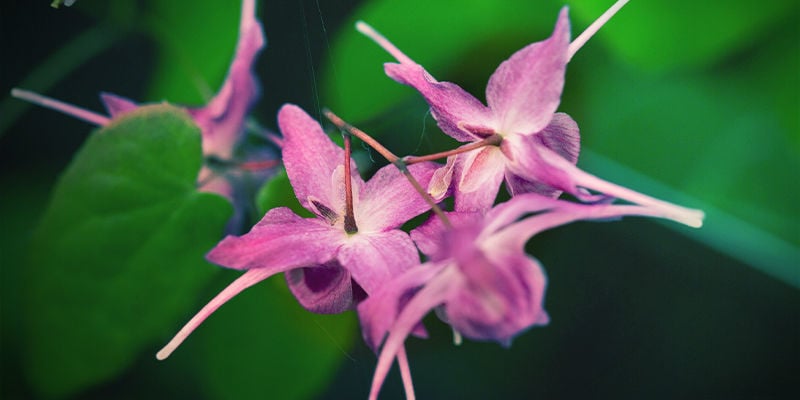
[353,255]
[477,275]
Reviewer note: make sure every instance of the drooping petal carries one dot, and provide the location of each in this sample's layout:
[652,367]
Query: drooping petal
[248,279]
[222,119]
[379,311]
[502,295]
[552,213]
[429,236]
[311,158]
[439,186]
[458,113]
[451,106]
[561,135]
[322,289]
[117,105]
[280,240]
[525,90]
[388,199]
[433,294]
[373,259]
[546,166]
[478,176]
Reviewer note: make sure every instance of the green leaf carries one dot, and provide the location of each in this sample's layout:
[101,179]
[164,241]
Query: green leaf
[278,192]
[193,61]
[661,35]
[712,144]
[263,343]
[118,256]
[445,33]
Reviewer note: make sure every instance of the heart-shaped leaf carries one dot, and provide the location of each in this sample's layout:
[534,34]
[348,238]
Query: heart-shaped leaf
[118,256]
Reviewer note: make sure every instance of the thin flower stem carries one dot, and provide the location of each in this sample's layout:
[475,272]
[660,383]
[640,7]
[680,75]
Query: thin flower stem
[349,215]
[392,158]
[258,165]
[493,140]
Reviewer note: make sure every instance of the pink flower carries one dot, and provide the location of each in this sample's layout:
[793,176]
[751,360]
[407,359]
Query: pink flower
[479,277]
[221,121]
[331,263]
[538,148]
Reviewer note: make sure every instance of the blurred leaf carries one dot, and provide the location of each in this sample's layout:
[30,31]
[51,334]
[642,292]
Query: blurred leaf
[710,140]
[119,253]
[278,192]
[355,86]
[264,344]
[193,61]
[661,35]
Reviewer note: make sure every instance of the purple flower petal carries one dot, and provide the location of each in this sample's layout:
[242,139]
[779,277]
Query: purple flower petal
[222,119]
[458,113]
[281,240]
[451,106]
[502,296]
[117,105]
[375,258]
[432,295]
[479,173]
[311,158]
[525,90]
[322,289]
[388,199]
[379,312]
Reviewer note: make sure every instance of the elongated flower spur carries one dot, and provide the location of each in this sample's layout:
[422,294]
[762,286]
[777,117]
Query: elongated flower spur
[349,250]
[221,121]
[538,148]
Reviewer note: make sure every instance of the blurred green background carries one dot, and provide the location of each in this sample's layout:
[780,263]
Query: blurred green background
[696,103]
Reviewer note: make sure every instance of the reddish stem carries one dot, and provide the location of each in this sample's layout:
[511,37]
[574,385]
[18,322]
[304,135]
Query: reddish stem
[493,140]
[349,215]
[399,163]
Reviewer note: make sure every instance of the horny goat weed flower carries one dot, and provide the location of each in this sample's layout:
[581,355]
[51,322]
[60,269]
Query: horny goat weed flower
[221,121]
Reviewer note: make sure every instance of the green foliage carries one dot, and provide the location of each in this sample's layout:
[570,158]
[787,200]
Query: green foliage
[118,256]
[665,35]
[264,344]
[444,37]
[196,45]
[278,192]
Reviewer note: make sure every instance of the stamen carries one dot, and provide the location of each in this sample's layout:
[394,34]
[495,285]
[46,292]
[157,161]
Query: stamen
[349,216]
[593,28]
[53,104]
[371,33]
[341,124]
[493,140]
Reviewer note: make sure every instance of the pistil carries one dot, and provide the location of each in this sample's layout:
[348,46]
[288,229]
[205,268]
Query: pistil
[392,158]
[349,216]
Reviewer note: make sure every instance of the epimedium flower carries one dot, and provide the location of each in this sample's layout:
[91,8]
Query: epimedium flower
[478,278]
[352,246]
[529,145]
[221,121]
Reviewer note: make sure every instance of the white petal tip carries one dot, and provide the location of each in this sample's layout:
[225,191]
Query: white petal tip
[163,354]
[363,27]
